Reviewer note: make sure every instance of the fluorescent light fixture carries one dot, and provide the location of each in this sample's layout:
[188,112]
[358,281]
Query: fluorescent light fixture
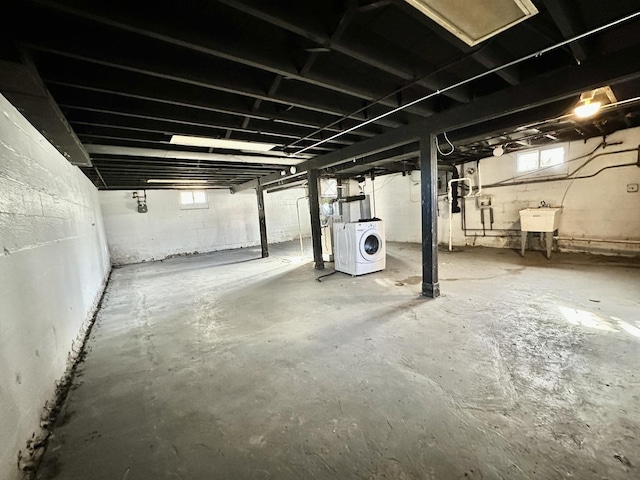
[176,180]
[477,20]
[222,143]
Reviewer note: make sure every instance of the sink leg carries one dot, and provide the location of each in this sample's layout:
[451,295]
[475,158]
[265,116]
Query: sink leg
[523,242]
[549,242]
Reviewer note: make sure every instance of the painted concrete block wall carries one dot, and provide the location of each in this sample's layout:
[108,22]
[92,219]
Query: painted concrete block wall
[282,210]
[599,216]
[53,265]
[230,221]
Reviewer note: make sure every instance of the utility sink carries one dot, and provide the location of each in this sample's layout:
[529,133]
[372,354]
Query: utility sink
[544,219]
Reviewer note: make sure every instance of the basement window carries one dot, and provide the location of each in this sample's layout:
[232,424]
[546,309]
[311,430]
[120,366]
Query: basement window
[193,199]
[540,159]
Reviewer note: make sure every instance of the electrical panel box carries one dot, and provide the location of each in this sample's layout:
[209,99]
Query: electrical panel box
[443,181]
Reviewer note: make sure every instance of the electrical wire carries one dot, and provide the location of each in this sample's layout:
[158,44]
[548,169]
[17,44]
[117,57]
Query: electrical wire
[450,64]
[387,181]
[602,144]
[319,279]
[471,79]
[593,175]
[453,149]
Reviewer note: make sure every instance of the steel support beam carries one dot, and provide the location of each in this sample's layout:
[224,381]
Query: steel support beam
[314,209]
[21,84]
[262,221]
[429,206]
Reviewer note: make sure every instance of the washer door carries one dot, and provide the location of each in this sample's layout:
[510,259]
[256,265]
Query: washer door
[371,248]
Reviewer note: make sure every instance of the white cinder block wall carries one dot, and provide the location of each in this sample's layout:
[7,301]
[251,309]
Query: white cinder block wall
[599,215]
[53,265]
[230,221]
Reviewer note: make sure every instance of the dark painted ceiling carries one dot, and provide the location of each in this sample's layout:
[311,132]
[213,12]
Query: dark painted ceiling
[127,75]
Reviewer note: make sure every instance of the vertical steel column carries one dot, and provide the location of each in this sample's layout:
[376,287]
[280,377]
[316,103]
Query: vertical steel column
[429,196]
[314,209]
[262,220]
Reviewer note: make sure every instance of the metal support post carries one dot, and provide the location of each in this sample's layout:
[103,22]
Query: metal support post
[314,209]
[262,220]
[429,197]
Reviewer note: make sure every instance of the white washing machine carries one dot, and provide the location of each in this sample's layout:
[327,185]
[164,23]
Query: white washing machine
[359,247]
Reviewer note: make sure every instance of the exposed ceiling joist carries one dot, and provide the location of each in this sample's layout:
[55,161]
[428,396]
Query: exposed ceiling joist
[179,120]
[568,25]
[264,55]
[132,75]
[214,78]
[354,43]
[487,55]
[570,82]
[171,94]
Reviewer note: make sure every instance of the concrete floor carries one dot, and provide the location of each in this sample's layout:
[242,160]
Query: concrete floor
[216,367]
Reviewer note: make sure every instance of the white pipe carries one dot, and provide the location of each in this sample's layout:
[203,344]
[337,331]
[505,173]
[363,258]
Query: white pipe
[299,224]
[479,192]
[450,191]
[373,191]
[603,240]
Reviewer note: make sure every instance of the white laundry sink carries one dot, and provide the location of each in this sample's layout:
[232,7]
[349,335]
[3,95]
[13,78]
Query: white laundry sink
[545,219]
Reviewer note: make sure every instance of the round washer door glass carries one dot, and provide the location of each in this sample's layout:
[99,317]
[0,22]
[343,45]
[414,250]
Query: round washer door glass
[371,244]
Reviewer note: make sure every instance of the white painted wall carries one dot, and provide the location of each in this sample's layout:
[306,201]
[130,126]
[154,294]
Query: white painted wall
[53,264]
[282,215]
[596,208]
[231,221]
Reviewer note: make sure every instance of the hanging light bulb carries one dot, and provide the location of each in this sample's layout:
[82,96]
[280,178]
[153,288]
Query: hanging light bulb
[586,108]
[498,151]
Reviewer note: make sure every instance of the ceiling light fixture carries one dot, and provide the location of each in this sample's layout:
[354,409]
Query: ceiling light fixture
[292,169]
[587,108]
[222,143]
[591,101]
[175,180]
[474,22]
[498,151]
